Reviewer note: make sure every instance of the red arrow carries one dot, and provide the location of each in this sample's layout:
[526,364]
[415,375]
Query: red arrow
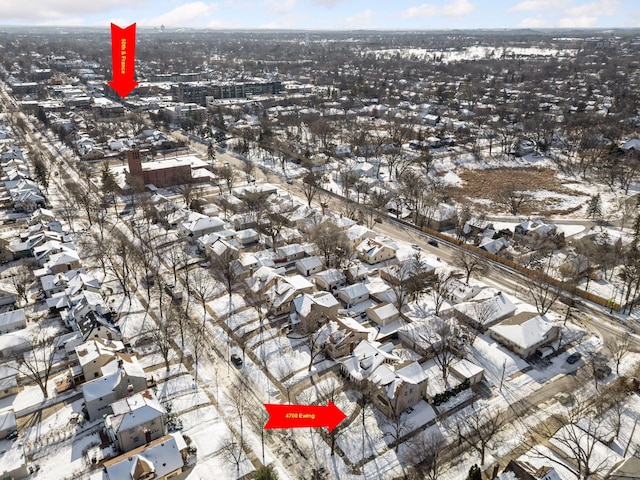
[300,416]
[123,50]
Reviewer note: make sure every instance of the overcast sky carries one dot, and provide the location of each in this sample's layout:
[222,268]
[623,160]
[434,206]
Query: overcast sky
[326,14]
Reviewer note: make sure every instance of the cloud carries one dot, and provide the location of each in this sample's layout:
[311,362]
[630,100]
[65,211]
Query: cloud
[578,22]
[534,5]
[327,3]
[534,22]
[50,10]
[359,20]
[425,10]
[594,9]
[285,21]
[194,14]
[457,8]
[280,6]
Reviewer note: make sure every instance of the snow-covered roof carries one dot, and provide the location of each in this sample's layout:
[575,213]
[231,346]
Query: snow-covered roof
[161,456]
[488,311]
[526,334]
[354,291]
[385,310]
[9,319]
[135,410]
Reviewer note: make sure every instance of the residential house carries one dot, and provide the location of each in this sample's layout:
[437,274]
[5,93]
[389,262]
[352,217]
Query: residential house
[356,272]
[8,379]
[534,227]
[357,233]
[353,294]
[399,389]
[199,227]
[12,320]
[7,297]
[121,377]
[421,336]
[345,334]
[161,459]
[525,337]
[330,279]
[136,420]
[7,422]
[247,237]
[314,309]
[365,358]
[525,471]
[372,251]
[13,461]
[458,291]
[291,252]
[96,353]
[627,469]
[467,371]
[484,313]
[60,262]
[94,325]
[383,313]
[309,265]
[405,270]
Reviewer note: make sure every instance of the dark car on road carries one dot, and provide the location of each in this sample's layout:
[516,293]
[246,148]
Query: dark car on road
[573,358]
[236,360]
[433,243]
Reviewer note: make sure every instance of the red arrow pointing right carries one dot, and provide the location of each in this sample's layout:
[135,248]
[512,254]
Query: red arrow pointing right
[300,416]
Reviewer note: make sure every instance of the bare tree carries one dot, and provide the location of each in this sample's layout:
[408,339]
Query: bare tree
[310,185]
[222,269]
[618,346]
[202,286]
[239,397]
[22,280]
[476,427]
[471,263]
[440,289]
[443,339]
[512,200]
[315,343]
[544,294]
[332,242]
[161,337]
[37,363]
[429,449]
[232,450]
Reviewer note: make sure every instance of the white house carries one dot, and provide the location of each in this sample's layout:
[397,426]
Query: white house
[309,265]
[353,294]
[330,279]
[12,320]
[525,337]
[383,313]
[373,251]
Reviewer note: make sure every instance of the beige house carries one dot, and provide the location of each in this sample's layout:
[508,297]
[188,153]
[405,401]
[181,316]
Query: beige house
[346,333]
[372,251]
[315,309]
[383,313]
[95,354]
[160,459]
[400,389]
[525,337]
[136,420]
[120,378]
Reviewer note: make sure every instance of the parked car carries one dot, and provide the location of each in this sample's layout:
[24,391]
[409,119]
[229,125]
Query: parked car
[236,360]
[573,358]
[415,246]
[433,243]
[289,181]
[12,435]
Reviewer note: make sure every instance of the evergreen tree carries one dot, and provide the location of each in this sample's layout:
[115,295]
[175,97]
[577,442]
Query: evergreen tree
[109,184]
[475,473]
[266,472]
[594,209]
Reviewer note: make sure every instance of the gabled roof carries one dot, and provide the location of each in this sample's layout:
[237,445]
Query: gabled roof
[162,456]
[135,410]
[526,334]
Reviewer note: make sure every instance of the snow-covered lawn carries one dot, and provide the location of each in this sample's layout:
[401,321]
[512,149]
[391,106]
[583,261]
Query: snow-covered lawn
[222,307]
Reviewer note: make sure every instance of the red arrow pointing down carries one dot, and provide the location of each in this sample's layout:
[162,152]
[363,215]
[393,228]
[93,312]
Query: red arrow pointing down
[300,416]
[123,50]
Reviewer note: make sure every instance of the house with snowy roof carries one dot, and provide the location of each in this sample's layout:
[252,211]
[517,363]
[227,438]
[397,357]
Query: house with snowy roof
[94,354]
[120,378]
[199,227]
[309,265]
[383,313]
[484,313]
[372,251]
[136,420]
[399,389]
[315,308]
[12,320]
[160,459]
[405,270]
[330,279]
[345,334]
[421,336]
[365,358]
[525,337]
[353,294]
